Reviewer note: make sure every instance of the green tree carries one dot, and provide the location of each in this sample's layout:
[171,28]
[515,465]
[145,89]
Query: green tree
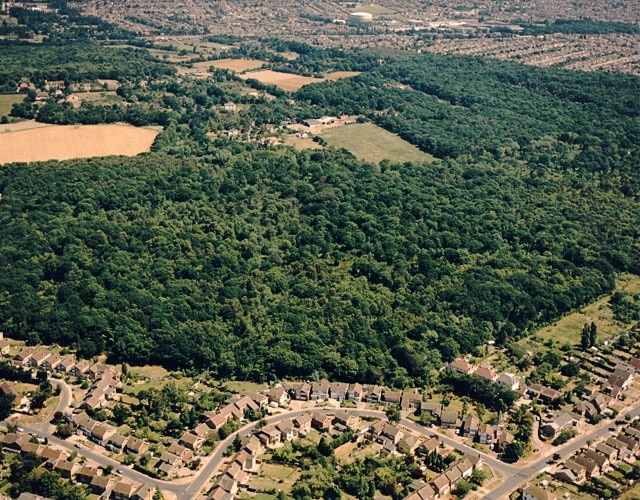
[393,413]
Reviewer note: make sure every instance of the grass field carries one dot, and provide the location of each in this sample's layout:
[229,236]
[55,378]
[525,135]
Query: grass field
[300,144]
[8,100]
[568,329]
[278,477]
[241,386]
[64,142]
[371,143]
[337,75]
[237,65]
[286,81]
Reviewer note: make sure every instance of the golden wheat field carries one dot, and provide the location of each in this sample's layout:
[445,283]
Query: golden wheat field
[237,65]
[286,81]
[18,143]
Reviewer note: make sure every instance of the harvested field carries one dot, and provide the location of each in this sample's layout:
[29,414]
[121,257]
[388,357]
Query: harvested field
[7,101]
[237,65]
[369,142]
[337,75]
[64,142]
[300,144]
[286,81]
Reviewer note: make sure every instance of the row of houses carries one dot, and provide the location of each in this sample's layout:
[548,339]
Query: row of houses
[603,457]
[60,461]
[107,436]
[444,483]
[43,358]
[341,391]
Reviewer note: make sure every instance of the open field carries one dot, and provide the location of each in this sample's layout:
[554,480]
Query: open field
[237,65]
[99,98]
[241,386]
[300,144]
[64,142]
[8,100]
[568,329]
[371,143]
[337,75]
[278,477]
[286,81]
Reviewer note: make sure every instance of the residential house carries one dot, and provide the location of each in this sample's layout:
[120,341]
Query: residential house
[86,474]
[320,390]
[225,488]
[428,446]
[253,445]
[465,466]
[391,397]
[191,441]
[408,444]
[470,425]
[303,423]
[79,368]
[135,446]
[623,452]
[600,401]
[585,409]
[229,106]
[117,442]
[632,443]
[603,462]
[185,454]
[22,358]
[449,419]
[541,392]
[635,363]
[83,422]
[287,430]
[66,469]
[216,420]
[435,409]
[300,391]
[461,365]
[410,400]
[533,492]
[427,492]
[338,391]
[486,371]
[101,432]
[591,467]
[270,436]
[247,461]
[122,491]
[321,421]
[372,393]
[169,464]
[510,380]
[453,475]
[608,451]
[557,424]
[391,433]
[201,430]
[578,473]
[375,430]
[485,434]
[441,485]
[345,419]
[278,395]
[38,357]
[49,364]
[501,439]
[100,484]
[95,371]
[144,492]
[65,364]
[355,392]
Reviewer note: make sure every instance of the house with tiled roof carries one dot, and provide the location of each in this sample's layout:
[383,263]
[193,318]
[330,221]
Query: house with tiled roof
[462,365]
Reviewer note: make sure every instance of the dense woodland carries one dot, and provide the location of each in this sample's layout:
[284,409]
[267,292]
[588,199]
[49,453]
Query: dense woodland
[260,263]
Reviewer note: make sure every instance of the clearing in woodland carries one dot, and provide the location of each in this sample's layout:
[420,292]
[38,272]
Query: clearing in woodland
[569,328]
[65,142]
[286,81]
[7,101]
[369,142]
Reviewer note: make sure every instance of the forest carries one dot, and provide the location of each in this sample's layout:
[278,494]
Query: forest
[261,263]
